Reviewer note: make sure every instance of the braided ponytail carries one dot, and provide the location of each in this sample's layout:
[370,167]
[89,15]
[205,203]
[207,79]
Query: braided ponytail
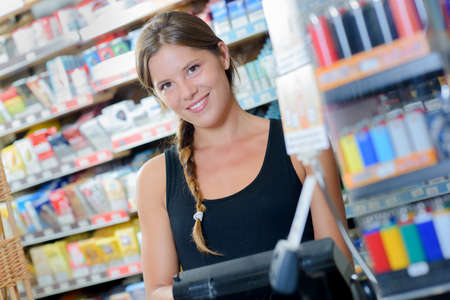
[185,138]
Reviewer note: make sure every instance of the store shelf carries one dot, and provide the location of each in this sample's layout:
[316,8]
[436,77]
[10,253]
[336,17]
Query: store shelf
[245,33]
[90,280]
[115,81]
[441,169]
[258,99]
[117,19]
[67,168]
[144,134]
[405,284]
[382,66]
[13,11]
[433,188]
[96,222]
[21,62]
[54,112]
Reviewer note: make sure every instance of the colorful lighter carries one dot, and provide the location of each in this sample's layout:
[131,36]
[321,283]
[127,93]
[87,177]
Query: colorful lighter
[418,130]
[398,133]
[365,146]
[441,220]
[410,237]
[395,248]
[351,153]
[381,140]
[374,244]
[427,232]
[405,17]
[322,40]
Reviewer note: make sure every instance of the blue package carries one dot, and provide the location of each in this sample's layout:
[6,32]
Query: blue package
[237,13]
[136,290]
[254,10]
[91,58]
[220,17]
[365,146]
[382,142]
[28,213]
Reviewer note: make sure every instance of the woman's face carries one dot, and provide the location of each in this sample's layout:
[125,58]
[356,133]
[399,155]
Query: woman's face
[192,82]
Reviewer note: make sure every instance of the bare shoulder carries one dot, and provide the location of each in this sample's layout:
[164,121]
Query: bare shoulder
[151,183]
[299,167]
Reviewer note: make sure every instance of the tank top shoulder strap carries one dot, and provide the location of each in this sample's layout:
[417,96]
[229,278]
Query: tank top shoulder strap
[174,173]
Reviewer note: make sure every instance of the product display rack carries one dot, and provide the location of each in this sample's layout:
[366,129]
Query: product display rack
[95,222]
[56,111]
[111,274]
[119,19]
[59,46]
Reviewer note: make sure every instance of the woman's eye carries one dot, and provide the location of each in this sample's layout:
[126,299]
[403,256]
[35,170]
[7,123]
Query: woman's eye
[165,86]
[193,69]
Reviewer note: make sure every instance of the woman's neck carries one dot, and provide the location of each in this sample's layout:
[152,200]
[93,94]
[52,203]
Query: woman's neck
[235,125]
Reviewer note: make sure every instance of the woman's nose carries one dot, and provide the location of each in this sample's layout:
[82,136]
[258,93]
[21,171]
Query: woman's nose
[188,90]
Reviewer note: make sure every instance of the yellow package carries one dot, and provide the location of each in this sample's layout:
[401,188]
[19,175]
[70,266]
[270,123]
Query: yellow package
[91,252]
[13,164]
[115,193]
[105,232]
[77,237]
[46,124]
[41,265]
[58,260]
[128,243]
[109,247]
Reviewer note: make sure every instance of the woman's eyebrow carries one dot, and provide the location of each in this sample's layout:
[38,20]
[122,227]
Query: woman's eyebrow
[190,63]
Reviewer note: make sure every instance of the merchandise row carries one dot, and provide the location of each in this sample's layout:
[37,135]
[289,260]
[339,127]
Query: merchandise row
[95,197]
[357,27]
[392,133]
[112,251]
[10,9]
[47,36]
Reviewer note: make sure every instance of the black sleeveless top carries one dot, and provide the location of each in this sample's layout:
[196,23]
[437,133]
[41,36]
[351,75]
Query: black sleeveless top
[247,222]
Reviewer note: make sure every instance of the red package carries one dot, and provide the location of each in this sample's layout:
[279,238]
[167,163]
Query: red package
[405,16]
[43,149]
[322,41]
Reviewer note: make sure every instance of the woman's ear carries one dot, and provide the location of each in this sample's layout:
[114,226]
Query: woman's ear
[224,55]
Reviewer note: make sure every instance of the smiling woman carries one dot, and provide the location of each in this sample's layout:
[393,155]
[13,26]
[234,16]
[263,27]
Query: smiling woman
[228,189]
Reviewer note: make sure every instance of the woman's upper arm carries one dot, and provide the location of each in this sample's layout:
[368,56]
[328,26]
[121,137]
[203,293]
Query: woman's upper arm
[159,257]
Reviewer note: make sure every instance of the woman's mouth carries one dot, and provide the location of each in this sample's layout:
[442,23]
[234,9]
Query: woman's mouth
[199,105]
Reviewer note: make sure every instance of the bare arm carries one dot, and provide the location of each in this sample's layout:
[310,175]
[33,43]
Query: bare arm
[323,220]
[159,257]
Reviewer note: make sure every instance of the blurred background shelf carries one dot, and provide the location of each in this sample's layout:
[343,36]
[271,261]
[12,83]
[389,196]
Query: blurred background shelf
[16,10]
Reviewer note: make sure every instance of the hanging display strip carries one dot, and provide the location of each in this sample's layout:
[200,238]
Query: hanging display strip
[144,135]
[61,170]
[245,32]
[39,55]
[96,222]
[367,63]
[115,81]
[90,280]
[432,188]
[119,18]
[390,169]
[258,99]
[418,280]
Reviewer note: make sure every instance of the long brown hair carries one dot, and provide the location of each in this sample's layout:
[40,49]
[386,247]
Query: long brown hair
[179,28]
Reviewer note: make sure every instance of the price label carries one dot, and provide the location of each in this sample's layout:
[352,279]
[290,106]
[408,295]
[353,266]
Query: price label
[31,119]
[46,174]
[45,113]
[83,223]
[146,135]
[161,130]
[16,123]
[30,56]
[241,33]
[65,168]
[48,289]
[49,231]
[96,277]
[81,281]
[83,163]
[432,191]
[64,286]
[417,192]
[260,26]
[102,156]
[133,269]
[30,179]
[114,273]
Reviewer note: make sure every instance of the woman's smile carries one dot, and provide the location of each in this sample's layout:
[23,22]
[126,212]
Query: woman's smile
[199,105]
